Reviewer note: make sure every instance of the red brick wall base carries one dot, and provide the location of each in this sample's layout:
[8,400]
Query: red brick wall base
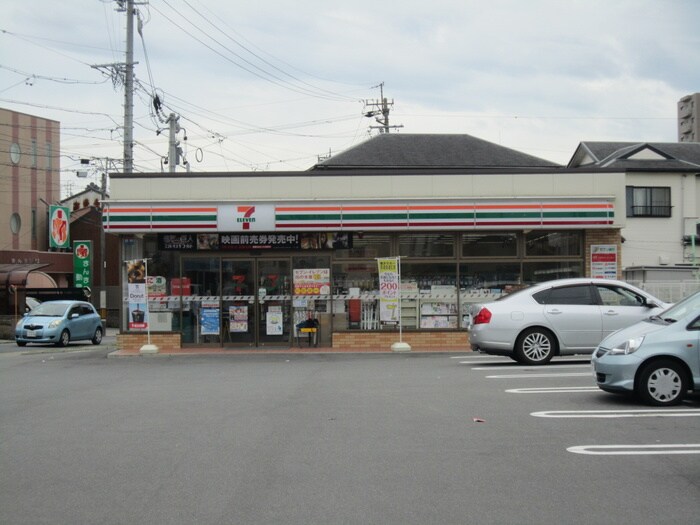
[133,342]
[384,340]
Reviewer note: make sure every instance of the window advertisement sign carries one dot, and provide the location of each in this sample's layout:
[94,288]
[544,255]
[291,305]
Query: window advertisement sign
[388,290]
[156,286]
[181,286]
[275,320]
[138,308]
[82,264]
[238,318]
[312,281]
[209,318]
[59,227]
[604,261]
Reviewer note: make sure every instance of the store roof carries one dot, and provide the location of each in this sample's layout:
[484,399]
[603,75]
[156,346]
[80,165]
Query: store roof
[661,156]
[405,150]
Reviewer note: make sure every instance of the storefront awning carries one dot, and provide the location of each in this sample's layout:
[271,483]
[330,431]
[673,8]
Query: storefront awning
[17,274]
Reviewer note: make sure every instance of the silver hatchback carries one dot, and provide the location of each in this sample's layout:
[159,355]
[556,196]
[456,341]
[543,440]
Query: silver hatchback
[566,316]
[658,358]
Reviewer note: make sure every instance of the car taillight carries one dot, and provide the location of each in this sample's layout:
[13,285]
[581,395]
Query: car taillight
[483,317]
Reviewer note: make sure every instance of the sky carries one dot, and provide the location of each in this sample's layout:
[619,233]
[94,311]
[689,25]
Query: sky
[276,85]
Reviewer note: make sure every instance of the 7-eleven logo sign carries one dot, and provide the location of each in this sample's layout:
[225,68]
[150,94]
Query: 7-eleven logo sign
[247,217]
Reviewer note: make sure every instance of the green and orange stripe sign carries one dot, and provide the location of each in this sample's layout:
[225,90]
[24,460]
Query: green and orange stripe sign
[372,216]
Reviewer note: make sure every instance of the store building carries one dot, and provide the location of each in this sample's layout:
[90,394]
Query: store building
[242,259]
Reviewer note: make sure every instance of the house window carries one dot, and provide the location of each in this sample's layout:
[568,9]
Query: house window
[646,201]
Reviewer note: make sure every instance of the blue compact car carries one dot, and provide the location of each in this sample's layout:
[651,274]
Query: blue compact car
[59,323]
[658,359]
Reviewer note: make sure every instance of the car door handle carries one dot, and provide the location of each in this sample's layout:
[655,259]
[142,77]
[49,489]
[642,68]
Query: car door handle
[554,312]
[611,312]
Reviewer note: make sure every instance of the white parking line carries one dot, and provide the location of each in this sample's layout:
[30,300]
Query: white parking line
[532,376]
[635,450]
[607,414]
[503,363]
[553,390]
[518,367]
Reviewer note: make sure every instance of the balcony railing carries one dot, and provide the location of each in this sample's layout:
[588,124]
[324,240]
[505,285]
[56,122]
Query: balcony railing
[651,211]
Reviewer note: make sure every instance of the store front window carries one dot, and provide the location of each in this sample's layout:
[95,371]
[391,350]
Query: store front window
[366,246]
[426,245]
[489,244]
[231,294]
[541,243]
[429,295]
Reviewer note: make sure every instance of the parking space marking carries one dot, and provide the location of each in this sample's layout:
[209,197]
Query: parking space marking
[521,367]
[553,390]
[532,376]
[607,414]
[502,363]
[635,450]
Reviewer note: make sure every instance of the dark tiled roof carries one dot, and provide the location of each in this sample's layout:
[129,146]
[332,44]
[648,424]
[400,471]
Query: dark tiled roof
[405,150]
[671,155]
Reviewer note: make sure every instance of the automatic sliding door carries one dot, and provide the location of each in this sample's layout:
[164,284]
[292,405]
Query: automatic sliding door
[201,307]
[275,302]
[239,306]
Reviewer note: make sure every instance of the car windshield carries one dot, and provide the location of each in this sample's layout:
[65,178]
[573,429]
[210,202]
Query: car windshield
[682,308]
[50,309]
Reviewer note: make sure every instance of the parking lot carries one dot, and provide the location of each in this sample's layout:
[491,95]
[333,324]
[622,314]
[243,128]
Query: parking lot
[361,438]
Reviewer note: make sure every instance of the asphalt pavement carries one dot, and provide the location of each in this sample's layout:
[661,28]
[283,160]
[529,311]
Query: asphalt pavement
[361,438]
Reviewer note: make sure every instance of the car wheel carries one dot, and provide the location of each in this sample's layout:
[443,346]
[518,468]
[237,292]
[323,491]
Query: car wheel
[64,339]
[21,343]
[535,347]
[97,338]
[662,383]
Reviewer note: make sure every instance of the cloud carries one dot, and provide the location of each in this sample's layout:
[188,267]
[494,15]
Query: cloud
[272,85]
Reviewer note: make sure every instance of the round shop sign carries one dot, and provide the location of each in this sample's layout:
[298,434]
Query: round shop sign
[82,251]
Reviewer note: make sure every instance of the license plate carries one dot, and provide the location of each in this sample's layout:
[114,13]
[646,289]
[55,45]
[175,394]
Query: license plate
[32,333]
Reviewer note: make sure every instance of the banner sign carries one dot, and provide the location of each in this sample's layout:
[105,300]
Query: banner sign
[388,290]
[59,227]
[138,307]
[82,264]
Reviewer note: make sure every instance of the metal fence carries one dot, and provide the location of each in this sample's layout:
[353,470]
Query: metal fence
[669,291]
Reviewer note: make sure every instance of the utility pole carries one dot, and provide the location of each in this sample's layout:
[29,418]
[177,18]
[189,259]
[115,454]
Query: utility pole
[129,89]
[383,108]
[123,73]
[173,143]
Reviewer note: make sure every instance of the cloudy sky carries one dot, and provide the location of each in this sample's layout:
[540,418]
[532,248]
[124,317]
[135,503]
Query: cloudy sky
[274,85]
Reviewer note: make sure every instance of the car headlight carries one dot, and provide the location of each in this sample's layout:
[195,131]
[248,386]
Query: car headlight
[55,323]
[629,346]
[19,324]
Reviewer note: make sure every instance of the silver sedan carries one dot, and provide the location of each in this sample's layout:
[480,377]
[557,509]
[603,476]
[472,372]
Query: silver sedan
[566,316]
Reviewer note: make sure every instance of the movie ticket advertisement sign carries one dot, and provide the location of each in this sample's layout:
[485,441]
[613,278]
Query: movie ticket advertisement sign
[388,290]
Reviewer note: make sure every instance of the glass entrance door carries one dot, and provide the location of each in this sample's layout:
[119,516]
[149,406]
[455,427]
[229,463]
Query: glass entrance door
[256,302]
[274,298]
[239,308]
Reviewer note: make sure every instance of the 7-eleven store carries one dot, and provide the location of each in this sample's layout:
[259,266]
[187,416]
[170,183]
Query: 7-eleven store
[239,259]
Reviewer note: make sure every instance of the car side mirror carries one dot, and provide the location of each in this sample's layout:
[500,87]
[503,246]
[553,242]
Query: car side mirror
[73,316]
[651,304]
